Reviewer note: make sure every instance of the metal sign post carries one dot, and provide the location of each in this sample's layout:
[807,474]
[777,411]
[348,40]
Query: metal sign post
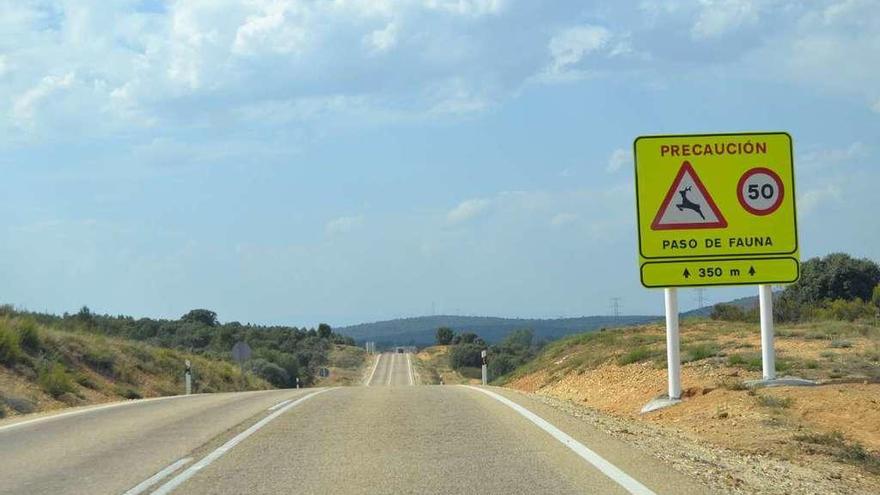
[768,356]
[673,341]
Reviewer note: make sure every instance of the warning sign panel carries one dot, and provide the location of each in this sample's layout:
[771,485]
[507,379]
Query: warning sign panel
[722,197]
[688,205]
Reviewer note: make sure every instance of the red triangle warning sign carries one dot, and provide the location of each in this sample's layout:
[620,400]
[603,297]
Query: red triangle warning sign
[688,205]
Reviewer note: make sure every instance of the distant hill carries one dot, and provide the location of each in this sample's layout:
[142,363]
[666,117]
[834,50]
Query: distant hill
[743,302]
[421,330]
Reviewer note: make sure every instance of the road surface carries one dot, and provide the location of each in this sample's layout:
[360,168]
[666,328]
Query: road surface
[393,368]
[378,439]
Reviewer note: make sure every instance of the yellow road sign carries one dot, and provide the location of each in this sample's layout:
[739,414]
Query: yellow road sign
[728,198]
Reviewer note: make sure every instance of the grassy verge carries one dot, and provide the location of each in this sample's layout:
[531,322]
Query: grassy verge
[42,368]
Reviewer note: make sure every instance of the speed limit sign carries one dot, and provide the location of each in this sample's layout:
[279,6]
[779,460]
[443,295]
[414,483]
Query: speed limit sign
[760,191]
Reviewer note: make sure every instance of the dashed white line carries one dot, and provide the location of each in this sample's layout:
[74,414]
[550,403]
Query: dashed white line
[226,447]
[161,475]
[391,368]
[608,469]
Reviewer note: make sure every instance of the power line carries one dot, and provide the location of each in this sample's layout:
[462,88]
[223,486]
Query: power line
[615,306]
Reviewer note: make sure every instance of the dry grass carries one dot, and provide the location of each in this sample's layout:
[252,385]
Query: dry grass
[42,368]
[617,372]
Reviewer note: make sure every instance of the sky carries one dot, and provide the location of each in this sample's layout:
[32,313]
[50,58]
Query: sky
[341,161]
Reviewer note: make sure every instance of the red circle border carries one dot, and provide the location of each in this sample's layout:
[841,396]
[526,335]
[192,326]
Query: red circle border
[742,200]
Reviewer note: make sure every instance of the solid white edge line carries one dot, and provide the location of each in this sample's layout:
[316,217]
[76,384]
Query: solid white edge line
[608,469]
[375,365]
[90,409]
[226,447]
[161,475]
[412,380]
[276,406]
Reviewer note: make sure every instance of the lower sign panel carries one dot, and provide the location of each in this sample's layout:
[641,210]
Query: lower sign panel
[697,273]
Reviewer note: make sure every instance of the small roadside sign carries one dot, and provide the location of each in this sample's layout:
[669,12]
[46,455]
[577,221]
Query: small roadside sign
[324,372]
[241,352]
[716,209]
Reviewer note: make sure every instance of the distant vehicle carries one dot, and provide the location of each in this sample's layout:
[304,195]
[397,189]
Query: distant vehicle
[400,350]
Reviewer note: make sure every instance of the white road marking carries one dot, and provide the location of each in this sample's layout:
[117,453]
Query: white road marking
[391,368]
[375,365]
[161,475]
[608,469]
[412,380]
[90,409]
[276,406]
[226,447]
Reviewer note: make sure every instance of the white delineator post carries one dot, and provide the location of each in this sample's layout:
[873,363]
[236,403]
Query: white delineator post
[768,354]
[188,377]
[673,354]
[485,368]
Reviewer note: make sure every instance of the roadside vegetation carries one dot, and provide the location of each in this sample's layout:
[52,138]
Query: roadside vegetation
[828,330]
[457,357]
[280,354]
[45,368]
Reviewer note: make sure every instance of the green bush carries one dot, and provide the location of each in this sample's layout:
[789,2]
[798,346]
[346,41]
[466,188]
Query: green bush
[636,355]
[463,355]
[55,380]
[841,309]
[128,393]
[875,298]
[698,352]
[731,312]
[101,360]
[271,372]
[10,346]
[29,335]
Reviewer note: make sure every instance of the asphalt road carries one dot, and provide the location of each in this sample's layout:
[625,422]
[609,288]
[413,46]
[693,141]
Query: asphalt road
[393,369]
[384,439]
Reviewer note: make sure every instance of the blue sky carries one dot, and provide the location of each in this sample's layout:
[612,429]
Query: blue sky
[356,160]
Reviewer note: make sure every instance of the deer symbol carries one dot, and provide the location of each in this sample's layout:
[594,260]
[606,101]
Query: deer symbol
[688,204]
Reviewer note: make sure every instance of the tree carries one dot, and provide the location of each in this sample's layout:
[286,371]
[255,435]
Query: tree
[518,340]
[836,276]
[727,312]
[876,297]
[444,336]
[468,337]
[203,316]
[466,355]
[324,331]
[501,365]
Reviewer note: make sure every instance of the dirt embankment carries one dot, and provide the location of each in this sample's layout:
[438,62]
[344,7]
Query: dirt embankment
[829,433]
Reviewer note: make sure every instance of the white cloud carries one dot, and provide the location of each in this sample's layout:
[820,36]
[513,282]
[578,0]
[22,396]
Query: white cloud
[467,210]
[473,8]
[382,40]
[718,17]
[571,45]
[812,199]
[876,106]
[25,105]
[343,225]
[832,157]
[618,159]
